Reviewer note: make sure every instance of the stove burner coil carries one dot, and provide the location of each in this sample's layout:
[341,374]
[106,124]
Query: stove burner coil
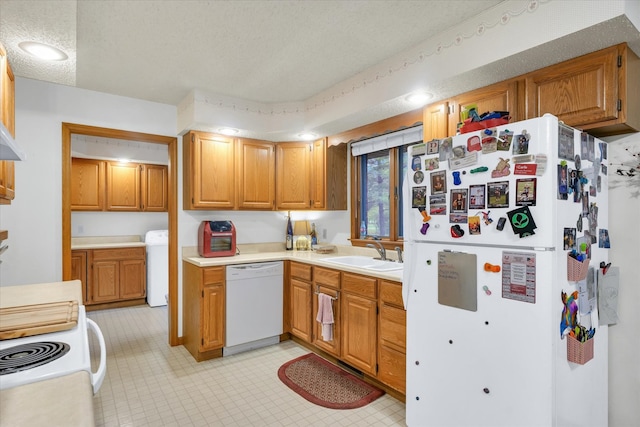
[27,356]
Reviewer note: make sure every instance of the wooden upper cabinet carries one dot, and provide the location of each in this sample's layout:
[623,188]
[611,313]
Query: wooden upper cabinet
[209,172]
[155,185]
[7,103]
[123,186]
[7,115]
[598,92]
[441,120]
[435,124]
[293,160]
[256,177]
[87,184]
[318,174]
[311,175]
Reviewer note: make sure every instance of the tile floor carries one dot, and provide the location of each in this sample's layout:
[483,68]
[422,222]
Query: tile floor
[149,383]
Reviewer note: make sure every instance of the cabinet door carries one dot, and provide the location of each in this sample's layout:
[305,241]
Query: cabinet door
[211,172]
[105,281]
[7,103]
[359,332]
[392,367]
[256,174]
[212,320]
[79,272]
[293,162]
[501,96]
[155,185]
[435,121]
[123,187]
[581,91]
[301,296]
[7,181]
[333,346]
[318,175]
[87,184]
[133,279]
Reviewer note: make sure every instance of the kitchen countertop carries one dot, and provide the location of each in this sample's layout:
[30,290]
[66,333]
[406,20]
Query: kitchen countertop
[41,293]
[62,401]
[256,253]
[106,242]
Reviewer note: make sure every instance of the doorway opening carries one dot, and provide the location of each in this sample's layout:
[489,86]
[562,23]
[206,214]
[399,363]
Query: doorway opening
[69,129]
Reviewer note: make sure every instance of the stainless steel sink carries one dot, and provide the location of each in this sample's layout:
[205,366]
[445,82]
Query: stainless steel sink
[365,262]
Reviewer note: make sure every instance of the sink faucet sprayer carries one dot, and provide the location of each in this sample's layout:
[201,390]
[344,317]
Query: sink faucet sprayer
[378,247]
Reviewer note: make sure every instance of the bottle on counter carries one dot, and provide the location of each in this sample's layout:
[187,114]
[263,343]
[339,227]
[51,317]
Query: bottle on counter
[314,236]
[363,230]
[289,238]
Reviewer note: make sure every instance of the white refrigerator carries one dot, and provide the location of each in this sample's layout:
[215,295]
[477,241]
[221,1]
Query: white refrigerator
[490,220]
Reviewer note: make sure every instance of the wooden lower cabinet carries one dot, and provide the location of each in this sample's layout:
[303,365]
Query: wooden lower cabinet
[392,336]
[301,309]
[359,321]
[204,310]
[111,276]
[327,281]
[79,272]
[118,274]
[369,321]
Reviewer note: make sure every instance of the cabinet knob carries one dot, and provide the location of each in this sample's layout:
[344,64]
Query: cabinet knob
[486,390]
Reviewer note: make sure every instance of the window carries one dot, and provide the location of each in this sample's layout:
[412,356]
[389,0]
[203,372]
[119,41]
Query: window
[380,165]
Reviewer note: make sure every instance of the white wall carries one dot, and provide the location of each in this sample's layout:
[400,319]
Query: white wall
[117,223]
[624,234]
[34,218]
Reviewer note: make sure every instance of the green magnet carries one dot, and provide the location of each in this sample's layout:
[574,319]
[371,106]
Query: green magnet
[480,169]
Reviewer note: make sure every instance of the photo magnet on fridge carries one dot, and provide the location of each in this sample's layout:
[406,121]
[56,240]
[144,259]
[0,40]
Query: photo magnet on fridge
[569,240]
[438,182]
[498,194]
[565,142]
[433,146]
[526,192]
[521,145]
[419,197]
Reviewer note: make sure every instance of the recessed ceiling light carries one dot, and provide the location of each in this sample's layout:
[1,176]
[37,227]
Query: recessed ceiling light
[43,51]
[419,97]
[307,136]
[228,131]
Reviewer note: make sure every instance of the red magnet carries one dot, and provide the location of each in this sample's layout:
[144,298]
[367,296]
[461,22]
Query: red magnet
[456,231]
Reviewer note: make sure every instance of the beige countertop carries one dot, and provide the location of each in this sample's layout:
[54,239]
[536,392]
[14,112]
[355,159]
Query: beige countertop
[106,242]
[255,253]
[41,293]
[62,401]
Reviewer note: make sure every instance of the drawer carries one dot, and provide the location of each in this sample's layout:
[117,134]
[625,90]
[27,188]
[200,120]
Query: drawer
[213,275]
[119,253]
[391,293]
[301,271]
[393,327]
[326,277]
[361,285]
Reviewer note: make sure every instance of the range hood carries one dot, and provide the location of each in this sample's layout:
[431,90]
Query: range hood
[9,149]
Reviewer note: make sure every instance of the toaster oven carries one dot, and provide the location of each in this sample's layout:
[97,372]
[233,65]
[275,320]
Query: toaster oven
[216,238]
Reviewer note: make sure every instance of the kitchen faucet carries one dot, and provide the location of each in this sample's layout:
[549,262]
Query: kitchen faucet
[378,247]
[399,251]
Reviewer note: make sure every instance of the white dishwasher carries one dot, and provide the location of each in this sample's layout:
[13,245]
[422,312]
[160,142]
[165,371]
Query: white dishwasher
[254,303]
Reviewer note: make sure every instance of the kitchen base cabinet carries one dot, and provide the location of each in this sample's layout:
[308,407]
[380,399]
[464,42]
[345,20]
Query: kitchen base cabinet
[118,274]
[204,310]
[359,322]
[327,281]
[114,277]
[301,293]
[392,336]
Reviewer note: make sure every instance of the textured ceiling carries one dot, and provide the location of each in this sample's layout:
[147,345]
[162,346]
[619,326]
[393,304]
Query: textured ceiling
[263,51]
[274,68]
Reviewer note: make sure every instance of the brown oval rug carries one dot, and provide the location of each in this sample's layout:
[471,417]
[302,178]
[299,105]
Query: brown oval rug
[325,384]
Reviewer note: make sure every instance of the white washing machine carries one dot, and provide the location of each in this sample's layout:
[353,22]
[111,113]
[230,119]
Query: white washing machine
[157,242]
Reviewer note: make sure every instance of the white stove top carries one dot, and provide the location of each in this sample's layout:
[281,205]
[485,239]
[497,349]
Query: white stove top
[77,358]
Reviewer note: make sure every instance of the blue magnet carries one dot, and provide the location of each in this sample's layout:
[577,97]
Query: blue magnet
[456,178]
